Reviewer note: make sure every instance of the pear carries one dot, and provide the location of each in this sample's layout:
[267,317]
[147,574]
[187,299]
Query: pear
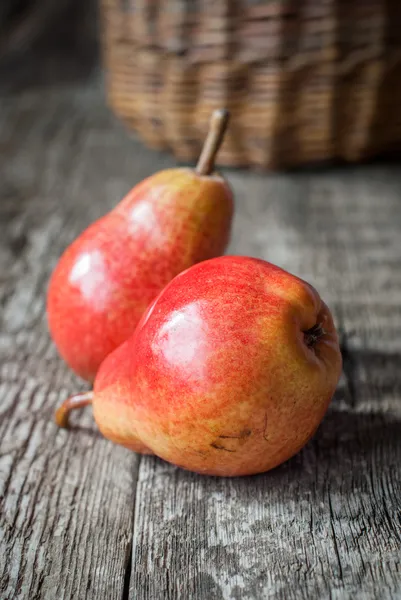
[108,276]
[229,372]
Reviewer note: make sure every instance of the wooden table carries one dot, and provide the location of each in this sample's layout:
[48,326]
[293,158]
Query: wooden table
[84,519]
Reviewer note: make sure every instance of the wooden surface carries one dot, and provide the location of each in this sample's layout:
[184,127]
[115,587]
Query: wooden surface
[81,518]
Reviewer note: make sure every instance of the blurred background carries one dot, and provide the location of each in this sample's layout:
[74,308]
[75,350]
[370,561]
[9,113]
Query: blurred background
[306,82]
[46,42]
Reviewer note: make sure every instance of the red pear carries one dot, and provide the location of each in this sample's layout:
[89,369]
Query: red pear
[229,372]
[106,279]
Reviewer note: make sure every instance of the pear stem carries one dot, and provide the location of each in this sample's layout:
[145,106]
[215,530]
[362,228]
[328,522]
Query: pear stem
[217,129]
[76,401]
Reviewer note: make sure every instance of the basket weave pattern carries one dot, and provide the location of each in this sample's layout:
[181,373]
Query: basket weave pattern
[305,81]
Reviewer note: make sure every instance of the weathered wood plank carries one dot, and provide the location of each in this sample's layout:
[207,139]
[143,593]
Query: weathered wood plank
[327,523]
[324,525]
[66,498]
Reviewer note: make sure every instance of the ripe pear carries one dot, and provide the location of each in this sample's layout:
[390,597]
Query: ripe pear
[229,372]
[107,277]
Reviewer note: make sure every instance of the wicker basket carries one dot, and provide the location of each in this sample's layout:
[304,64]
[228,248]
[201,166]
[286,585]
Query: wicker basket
[304,80]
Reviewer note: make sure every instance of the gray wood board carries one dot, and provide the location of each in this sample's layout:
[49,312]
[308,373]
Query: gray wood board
[73,506]
[327,523]
[66,499]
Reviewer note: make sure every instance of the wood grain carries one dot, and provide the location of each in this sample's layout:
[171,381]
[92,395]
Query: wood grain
[327,523]
[66,498]
[73,506]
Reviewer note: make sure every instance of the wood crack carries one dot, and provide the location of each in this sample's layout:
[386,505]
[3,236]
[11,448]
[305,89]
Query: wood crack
[128,572]
[129,564]
[334,538]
